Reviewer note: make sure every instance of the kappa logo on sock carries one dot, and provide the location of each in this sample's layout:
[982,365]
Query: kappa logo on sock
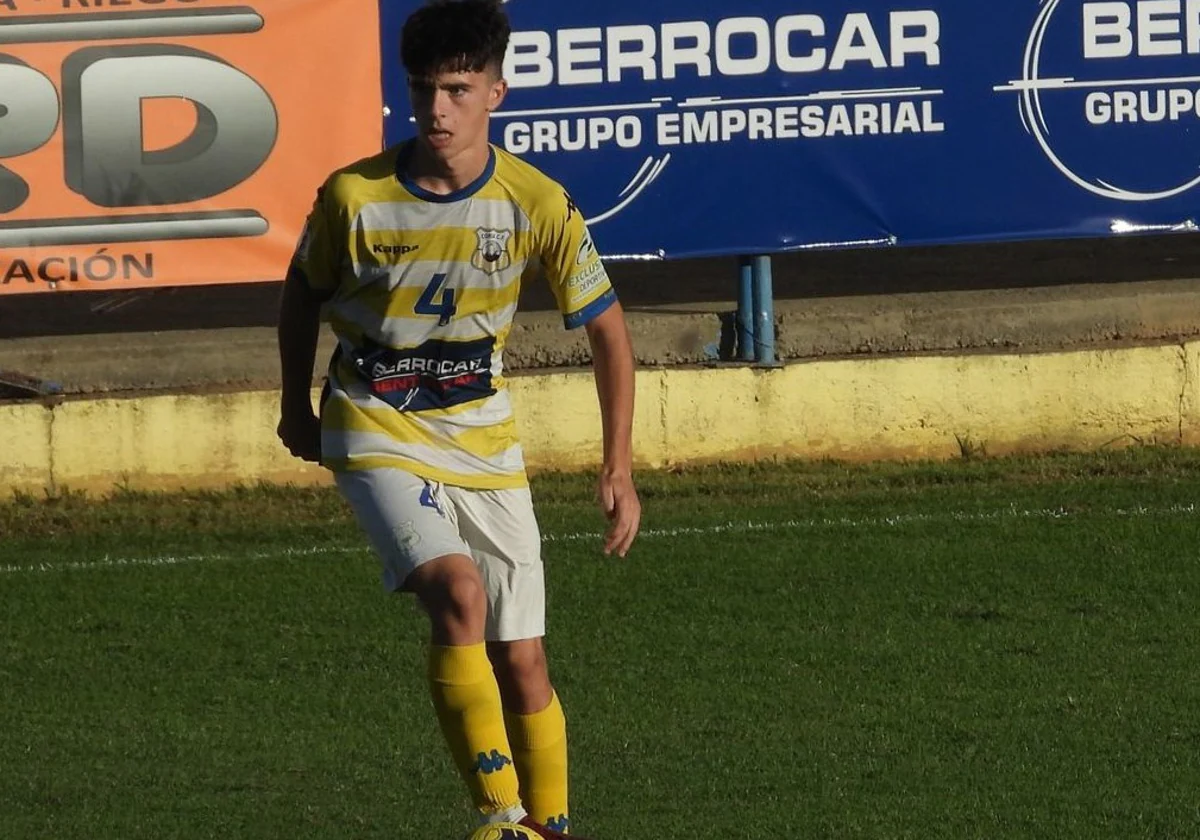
[561,824]
[489,764]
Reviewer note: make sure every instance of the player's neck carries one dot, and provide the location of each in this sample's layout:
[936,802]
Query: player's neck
[445,176]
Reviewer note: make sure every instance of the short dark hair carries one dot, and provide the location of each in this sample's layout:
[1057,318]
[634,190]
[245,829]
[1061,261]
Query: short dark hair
[455,36]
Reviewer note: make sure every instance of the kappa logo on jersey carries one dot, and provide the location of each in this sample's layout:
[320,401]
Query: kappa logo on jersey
[395,250]
[492,254]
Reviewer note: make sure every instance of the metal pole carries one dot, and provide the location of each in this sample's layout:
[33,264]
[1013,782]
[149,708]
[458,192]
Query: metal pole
[745,310]
[764,312]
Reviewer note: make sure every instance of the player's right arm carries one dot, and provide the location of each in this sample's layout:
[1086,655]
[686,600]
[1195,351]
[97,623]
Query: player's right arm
[312,277]
[586,298]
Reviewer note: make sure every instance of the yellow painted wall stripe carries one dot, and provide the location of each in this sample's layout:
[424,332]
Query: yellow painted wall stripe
[920,407]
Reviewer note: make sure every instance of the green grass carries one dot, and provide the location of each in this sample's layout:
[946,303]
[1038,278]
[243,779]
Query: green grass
[985,649]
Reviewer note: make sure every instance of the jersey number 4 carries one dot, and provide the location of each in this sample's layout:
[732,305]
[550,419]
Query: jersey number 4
[444,308]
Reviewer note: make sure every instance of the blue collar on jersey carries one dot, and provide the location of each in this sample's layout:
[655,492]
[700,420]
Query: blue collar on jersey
[425,195]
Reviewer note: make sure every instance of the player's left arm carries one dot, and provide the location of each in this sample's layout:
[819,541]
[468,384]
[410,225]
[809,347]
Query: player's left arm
[586,298]
[612,361]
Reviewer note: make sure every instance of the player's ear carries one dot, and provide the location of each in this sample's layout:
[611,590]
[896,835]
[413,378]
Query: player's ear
[496,95]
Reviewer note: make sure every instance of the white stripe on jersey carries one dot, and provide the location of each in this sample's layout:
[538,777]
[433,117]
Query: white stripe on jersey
[497,214]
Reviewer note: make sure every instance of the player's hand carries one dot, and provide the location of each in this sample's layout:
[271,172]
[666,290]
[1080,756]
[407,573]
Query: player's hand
[300,430]
[619,499]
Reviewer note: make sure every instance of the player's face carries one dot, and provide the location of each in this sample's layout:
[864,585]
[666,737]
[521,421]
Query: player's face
[452,110]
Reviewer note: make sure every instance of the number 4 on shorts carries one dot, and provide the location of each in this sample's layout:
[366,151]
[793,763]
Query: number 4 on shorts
[444,309]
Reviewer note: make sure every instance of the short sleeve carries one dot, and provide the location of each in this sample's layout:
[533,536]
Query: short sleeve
[572,265]
[316,258]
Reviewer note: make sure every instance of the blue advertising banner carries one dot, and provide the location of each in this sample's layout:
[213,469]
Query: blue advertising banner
[703,128]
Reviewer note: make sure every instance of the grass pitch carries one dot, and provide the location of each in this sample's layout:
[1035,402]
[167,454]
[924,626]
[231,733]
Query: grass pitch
[984,649]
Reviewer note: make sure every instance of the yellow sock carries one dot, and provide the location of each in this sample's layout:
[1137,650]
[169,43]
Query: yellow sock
[539,744]
[467,701]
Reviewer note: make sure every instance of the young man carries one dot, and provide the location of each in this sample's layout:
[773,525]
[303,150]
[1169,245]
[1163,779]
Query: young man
[418,255]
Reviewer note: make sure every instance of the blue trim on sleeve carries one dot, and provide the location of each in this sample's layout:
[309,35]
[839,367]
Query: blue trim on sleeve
[436,198]
[592,311]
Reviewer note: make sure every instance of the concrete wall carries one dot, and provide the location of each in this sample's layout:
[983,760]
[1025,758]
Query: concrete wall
[898,407]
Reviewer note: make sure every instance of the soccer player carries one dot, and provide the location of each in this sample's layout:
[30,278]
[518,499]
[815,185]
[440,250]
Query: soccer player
[417,256]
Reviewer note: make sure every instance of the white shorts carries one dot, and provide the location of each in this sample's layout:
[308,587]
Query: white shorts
[411,521]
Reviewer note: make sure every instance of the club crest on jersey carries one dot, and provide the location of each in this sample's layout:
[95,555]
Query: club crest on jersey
[492,254]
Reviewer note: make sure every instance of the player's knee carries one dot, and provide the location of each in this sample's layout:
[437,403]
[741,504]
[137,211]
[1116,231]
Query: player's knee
[520,663]
[465,597]
[458,601]
[452,592]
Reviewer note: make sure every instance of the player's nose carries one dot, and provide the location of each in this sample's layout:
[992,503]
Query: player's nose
[428,109]
[439,104]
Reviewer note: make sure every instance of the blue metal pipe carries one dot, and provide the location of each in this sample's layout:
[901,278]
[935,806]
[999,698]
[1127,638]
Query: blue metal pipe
[764,312]
[745,310]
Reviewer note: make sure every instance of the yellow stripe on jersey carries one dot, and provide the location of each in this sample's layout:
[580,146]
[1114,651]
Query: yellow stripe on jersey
[415,428]
[421,291]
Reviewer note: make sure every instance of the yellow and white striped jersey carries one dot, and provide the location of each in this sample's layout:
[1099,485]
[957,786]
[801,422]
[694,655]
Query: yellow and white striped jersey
[421,290]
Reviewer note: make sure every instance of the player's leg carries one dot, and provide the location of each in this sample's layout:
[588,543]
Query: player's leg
[523,675]
[463,685]
[502,531]
[537,729]
[414,533]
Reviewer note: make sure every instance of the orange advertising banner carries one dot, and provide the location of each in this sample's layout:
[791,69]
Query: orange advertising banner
[155,143]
